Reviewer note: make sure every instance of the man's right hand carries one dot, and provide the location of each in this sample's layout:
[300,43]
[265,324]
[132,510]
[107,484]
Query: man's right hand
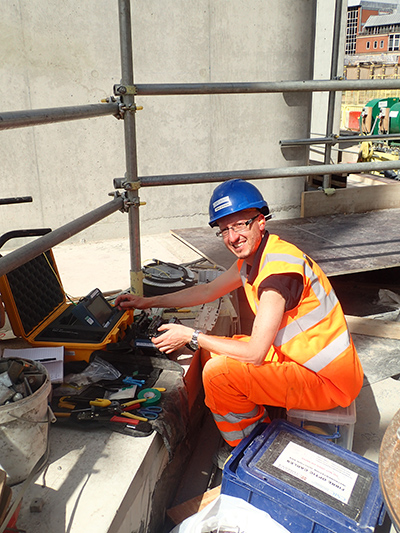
[127,301]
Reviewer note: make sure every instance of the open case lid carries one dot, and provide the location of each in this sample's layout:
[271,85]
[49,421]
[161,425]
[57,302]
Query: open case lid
[31,293]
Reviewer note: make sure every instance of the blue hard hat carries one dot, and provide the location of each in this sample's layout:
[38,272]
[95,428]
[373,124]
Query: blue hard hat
[233,196]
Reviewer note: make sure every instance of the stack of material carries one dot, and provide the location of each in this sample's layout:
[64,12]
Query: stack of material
[18,379]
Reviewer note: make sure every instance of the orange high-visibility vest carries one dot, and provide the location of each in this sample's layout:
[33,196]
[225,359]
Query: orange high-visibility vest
[315,333]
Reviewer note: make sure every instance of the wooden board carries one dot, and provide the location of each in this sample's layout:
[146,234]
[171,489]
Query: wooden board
[5,496]
[350,200]
[374,327]
[340,244]
[184,510]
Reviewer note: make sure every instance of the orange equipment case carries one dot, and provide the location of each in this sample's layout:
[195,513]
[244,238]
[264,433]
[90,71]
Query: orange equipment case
[36,305]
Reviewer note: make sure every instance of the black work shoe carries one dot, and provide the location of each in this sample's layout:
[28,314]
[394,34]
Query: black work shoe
[222,455]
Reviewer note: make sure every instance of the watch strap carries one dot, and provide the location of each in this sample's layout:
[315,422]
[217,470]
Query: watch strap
[194,343]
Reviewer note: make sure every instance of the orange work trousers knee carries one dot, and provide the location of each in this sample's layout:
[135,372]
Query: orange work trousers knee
[237,392]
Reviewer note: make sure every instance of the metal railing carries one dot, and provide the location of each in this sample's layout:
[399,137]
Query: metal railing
[122,105]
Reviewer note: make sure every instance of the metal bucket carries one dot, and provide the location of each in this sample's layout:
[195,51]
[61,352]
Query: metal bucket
[24,427]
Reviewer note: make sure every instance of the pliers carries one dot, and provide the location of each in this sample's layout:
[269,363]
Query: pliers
[125,408]
[70,402]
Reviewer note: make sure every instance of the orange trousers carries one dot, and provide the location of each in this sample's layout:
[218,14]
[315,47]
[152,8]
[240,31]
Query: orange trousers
[237,392]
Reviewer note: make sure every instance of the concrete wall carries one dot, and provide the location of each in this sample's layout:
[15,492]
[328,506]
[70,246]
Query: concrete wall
[56,54]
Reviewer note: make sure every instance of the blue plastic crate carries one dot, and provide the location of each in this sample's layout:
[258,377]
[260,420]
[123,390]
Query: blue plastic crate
[305,483]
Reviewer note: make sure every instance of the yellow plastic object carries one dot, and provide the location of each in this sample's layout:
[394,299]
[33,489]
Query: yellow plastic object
[315,429]
[366,150]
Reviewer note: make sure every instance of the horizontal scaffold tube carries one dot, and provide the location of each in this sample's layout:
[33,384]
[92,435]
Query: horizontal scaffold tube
[36,117]
[339,139]
[268,173]
[163,89]
[31,250]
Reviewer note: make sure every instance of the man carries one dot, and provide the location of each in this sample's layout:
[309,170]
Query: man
[300,353]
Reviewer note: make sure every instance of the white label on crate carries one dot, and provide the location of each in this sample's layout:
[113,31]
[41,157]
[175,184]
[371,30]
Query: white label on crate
[316,470]
[393,114]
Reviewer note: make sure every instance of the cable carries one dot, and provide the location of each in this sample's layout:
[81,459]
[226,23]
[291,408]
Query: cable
[58,279]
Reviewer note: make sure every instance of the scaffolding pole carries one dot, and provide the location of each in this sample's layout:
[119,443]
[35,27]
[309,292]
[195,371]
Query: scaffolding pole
[339,139]
[126,108]
[267,173]
[37,117]
[31,250]
[136,274]
[326,181]
[174,89]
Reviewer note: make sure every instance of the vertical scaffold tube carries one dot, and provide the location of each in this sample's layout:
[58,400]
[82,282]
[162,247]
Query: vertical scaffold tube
[130,145]
[332,95]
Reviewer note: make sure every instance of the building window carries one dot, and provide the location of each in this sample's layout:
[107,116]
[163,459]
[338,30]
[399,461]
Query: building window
[351,33]
[367,45]
[381,44]
[375,44]
[394,42]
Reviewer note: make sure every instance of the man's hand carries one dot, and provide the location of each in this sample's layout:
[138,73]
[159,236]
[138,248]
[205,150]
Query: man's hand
[128,301]
[172,337]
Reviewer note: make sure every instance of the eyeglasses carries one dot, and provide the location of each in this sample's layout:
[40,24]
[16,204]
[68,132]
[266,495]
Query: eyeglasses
[239,227]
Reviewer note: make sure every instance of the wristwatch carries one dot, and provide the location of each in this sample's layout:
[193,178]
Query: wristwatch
[194,343]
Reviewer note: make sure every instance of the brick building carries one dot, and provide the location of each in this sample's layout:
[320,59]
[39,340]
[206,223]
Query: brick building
[372,27]
[381,33]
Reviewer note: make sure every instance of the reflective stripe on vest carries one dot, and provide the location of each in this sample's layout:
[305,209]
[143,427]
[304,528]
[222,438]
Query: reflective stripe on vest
[327,303]
[329,353]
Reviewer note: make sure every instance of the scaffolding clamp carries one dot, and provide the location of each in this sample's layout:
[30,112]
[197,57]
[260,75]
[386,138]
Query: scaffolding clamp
[110,100]
[123,195]
[128,203]
[124,183]
[122,90]
[130,108]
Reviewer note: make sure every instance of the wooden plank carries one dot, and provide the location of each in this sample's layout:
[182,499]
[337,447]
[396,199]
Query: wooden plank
[5,503]
[373,327]
[182,511]
[350,200]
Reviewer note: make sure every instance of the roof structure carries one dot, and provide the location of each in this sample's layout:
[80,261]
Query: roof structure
[367,4]
[382,20]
